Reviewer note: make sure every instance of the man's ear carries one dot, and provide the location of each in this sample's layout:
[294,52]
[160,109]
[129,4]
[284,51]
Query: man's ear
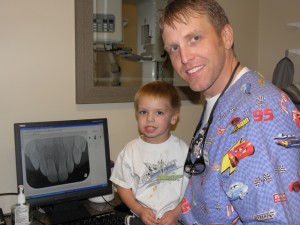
[227,36]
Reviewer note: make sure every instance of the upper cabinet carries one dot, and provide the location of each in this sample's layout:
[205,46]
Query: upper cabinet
[119,48]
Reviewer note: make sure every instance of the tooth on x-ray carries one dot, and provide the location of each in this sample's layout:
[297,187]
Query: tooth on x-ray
[55,157]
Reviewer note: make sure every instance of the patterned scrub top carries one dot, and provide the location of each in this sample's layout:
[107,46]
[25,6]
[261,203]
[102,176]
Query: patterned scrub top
[252,155]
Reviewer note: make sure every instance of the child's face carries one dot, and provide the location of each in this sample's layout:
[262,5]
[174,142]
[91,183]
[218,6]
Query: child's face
[155,117]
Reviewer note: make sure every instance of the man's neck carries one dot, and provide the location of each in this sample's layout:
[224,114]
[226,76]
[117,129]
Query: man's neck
[223,79]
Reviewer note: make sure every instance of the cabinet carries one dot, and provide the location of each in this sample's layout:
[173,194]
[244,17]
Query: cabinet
[87,92]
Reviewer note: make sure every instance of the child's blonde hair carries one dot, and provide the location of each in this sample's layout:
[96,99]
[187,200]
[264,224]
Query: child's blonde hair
[161,90]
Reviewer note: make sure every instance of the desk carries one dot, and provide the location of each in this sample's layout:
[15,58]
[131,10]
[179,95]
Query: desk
[40,218]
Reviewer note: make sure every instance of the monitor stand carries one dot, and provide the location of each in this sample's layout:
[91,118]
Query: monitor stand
[66,212]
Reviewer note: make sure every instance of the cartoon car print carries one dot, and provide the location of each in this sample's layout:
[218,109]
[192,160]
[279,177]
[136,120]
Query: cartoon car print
[246,88]
[186,206]
[235,221]
[236,191]
[235,120]
[296,117]
[284,136]
[287,141]
[294,186]
[239,151]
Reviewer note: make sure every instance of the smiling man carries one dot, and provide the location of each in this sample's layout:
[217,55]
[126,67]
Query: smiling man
[199,41]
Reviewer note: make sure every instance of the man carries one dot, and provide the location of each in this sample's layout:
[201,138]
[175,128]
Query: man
[244,158]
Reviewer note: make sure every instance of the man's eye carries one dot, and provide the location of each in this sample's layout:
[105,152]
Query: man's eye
[195,38]
[142,112]
[174,48]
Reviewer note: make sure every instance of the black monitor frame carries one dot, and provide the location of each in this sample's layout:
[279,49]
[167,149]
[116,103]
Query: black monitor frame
[65,196]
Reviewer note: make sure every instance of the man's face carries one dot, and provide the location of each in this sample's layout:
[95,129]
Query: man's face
[198,53]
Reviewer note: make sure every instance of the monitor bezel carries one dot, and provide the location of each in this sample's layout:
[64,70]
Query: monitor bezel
[65,197]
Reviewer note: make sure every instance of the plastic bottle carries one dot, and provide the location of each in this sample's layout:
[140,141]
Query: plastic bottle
[20,212]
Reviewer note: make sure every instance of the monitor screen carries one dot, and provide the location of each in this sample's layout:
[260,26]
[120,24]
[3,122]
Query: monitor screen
[61,161]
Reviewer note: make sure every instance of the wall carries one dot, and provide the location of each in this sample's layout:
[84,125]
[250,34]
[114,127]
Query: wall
[37,71]
[244,18]
[37,81]
[275,36]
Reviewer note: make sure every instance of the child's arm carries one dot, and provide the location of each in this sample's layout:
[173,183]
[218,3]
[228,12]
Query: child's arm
[171,217]
[145,214]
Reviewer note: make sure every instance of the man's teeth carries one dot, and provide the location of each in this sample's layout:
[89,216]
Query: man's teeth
[194,69]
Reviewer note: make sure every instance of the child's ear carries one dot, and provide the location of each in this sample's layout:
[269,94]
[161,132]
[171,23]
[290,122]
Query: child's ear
[175,118]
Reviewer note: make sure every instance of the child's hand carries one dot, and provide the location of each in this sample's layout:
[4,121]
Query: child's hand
[148,216]
[169,218]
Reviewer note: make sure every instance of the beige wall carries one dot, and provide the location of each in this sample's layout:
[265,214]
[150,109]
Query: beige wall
[37,69]
[275,36]
[37,81]
[261,31]
[243,16]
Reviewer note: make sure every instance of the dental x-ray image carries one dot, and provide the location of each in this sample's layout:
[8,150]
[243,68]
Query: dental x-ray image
[56,160]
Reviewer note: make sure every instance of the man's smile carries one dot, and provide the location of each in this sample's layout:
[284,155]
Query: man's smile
[194,70]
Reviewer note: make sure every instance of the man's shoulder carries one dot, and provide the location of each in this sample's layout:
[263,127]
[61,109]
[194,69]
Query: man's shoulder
[253,83]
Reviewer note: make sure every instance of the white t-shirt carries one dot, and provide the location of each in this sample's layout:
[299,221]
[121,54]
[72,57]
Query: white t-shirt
[154,172]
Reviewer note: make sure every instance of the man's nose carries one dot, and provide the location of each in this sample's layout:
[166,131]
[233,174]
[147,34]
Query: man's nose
[185,55]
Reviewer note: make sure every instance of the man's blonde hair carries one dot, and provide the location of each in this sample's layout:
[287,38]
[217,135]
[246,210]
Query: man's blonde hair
[181,10]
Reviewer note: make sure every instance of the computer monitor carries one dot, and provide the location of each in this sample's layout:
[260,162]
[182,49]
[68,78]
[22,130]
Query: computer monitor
[60,162]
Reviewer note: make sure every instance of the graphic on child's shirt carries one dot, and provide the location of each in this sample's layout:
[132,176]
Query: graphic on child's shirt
[161,171]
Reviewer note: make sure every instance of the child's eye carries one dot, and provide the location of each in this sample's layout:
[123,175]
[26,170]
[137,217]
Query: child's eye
[196,38]
[142,112]
[160,113]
